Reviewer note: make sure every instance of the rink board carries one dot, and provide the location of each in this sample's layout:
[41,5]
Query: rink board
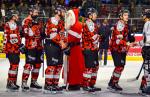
[134,53]
[130,58]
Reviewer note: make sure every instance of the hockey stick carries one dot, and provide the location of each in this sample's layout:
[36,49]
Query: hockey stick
[137,77]
[65,60]
[43,69]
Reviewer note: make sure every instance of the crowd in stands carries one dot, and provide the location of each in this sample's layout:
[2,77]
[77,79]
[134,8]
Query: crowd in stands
[105,8]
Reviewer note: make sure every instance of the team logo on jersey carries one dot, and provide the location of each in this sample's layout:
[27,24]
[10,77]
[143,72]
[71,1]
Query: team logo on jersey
[120,26]
[34,44]
[54,60]
[31,58]
[12,26]
[90,25]
[13,38]
[30,32]
[54,21]
[122,61]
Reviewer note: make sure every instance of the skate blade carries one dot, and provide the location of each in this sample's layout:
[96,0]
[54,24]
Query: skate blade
[87,92]
[109,88]
[113,90]
[143,94]
[49,92]
[98,90]
[35,90]
[134,94]
[59,92]
[24,90]
[10,90]
[125,93]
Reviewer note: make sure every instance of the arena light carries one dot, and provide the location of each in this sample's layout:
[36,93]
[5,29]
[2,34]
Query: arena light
[67,2]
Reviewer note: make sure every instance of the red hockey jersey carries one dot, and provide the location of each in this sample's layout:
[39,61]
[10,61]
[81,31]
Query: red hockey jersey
[119,41]
[32,33]
[55,30]
[90,37]
[12,39]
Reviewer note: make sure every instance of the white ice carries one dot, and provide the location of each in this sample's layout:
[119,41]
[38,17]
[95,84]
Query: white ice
[131,70]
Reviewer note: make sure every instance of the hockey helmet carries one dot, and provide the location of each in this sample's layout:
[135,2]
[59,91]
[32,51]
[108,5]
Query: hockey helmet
[90,11]
[59,9]
[12,13]
[146,14]
[32,8]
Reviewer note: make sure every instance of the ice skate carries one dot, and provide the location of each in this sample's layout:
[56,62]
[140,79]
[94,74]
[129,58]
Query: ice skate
[34,86]
[25,87]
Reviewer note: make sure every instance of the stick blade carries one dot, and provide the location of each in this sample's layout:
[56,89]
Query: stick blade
[131,79]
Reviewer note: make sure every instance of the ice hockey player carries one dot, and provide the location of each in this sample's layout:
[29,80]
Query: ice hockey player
[34,50]
[12,41]
[119,46]
[90,40]
[54,45]
[145,43]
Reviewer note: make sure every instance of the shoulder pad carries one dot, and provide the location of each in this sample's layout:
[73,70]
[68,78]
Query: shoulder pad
[26,21]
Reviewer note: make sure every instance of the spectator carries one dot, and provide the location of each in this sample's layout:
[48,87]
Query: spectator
[119,7]
[49,2]
[138,10]
[125,2]
[31,2]
[38,4]
[48,10]
[105,32]
[71,3]
[132,9]
[21,7]
[103,11]
[61,1]
[3,6]
[13,7]
[114,11]
[2,11]
[84,7]
[90,3]
[115,1]
[106,1]
[1,25]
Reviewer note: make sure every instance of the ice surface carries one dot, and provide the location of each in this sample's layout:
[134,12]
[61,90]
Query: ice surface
[131,70]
